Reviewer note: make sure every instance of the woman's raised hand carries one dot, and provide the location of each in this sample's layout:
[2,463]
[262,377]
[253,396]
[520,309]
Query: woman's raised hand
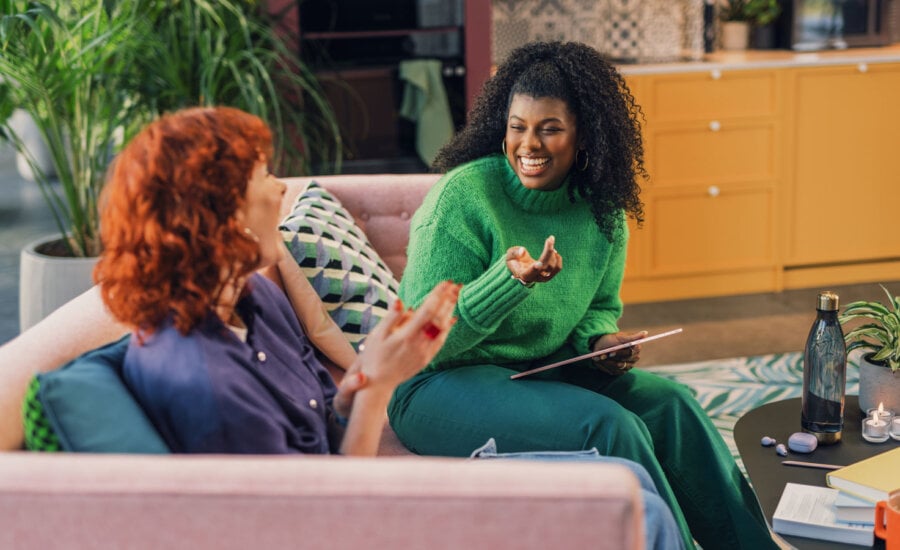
[405,341]
[528,270]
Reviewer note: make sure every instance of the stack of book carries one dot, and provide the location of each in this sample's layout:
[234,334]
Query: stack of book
[845,510]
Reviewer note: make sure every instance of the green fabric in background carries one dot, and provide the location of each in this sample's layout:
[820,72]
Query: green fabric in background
[425,103]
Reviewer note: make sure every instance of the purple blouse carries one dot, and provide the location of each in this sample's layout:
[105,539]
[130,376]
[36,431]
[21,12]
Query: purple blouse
[209,392]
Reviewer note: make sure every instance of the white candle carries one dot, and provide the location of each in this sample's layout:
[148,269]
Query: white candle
[885,415]
[875,430]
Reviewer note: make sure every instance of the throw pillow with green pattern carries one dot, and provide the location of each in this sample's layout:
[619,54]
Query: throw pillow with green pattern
[39,435]
[335,255]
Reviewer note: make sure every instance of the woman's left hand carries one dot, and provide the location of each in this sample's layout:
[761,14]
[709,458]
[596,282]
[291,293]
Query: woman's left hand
[619,362]
[528,270]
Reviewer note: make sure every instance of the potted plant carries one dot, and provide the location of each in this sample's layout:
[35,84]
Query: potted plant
[91,72]
[738,16]
[879,335]
[230,52]
[69,66]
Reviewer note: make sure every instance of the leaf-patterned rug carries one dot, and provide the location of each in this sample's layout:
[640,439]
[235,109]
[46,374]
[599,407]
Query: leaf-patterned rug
[728,388]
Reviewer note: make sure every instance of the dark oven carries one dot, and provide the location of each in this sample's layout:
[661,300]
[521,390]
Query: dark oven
[808,25]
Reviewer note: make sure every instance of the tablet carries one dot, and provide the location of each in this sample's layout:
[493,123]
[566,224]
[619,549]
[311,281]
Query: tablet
[598,352]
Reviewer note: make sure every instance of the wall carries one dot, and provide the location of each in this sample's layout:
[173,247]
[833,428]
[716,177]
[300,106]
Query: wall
[627,30]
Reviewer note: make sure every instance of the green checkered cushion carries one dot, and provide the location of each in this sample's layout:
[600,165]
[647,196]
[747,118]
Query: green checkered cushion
[340,263]
[39,434]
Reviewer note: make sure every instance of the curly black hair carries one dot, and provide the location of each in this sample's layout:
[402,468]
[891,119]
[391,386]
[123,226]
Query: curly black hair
[607,117]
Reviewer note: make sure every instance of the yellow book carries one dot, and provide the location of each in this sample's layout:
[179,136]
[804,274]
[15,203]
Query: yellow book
[871,479]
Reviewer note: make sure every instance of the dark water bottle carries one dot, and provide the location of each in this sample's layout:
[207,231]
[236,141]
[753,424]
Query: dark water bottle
[824,373]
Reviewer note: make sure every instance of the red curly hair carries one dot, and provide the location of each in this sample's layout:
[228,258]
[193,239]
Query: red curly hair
[168,220]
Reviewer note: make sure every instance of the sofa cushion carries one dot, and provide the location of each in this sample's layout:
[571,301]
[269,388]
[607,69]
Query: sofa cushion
[342,266]
[84,406]
[39,435]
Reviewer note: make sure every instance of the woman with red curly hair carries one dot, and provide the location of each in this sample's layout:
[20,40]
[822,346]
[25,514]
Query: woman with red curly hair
[217,357]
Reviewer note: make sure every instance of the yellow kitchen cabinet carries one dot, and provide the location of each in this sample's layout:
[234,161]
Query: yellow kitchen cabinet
[845,184]
[713,147]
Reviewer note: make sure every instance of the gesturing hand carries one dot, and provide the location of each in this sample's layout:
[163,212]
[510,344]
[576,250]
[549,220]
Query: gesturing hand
[405,341]
[526,269]
[619,362]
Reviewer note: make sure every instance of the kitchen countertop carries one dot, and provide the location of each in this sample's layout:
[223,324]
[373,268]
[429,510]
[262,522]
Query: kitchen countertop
[768,59]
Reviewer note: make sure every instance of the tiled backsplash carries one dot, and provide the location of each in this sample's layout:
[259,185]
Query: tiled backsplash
[627,30]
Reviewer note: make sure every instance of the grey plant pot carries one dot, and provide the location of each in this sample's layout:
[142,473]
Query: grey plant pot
[877,384]
[47,282]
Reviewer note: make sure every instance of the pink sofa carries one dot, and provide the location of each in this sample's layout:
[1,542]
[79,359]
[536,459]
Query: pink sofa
[86,501]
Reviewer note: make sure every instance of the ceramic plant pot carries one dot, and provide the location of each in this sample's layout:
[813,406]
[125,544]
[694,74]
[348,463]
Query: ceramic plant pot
[877,384]
[735,35]
[47,282]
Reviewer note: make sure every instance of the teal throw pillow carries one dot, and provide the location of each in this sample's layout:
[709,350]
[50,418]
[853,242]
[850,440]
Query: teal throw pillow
[85,406]
[335,255]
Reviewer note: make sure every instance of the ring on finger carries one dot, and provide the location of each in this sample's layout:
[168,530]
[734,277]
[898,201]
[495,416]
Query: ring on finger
[431,330]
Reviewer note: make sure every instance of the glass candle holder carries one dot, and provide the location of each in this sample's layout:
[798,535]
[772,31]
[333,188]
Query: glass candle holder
[895,428]
[887,415]
[876,430]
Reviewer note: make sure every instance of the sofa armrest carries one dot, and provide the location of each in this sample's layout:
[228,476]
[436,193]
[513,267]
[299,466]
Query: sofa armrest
[82,501]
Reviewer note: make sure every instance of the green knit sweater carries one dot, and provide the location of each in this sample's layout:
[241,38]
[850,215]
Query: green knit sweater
[461,233]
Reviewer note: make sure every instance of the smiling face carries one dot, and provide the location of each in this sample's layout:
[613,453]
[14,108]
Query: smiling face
[260,213]
[541,141]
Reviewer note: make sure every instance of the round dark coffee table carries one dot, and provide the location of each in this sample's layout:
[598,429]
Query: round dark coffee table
[779,420]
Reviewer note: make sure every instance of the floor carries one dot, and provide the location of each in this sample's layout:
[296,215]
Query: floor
[713,328]
[753,324]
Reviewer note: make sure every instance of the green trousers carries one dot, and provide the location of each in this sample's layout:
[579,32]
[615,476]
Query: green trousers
[638,416]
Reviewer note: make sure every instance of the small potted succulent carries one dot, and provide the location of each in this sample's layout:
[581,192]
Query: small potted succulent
[879,336]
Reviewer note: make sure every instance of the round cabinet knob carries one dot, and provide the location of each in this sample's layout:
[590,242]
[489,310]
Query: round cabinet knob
[863,68]
[716,74]
[713,191]
[715,125]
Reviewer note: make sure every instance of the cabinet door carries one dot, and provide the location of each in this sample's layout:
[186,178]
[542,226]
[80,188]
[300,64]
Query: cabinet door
[714,151]
[847,164]
[702,229]
[712,95]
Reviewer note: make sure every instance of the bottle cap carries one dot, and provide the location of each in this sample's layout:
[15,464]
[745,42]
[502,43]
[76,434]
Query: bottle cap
[827,301]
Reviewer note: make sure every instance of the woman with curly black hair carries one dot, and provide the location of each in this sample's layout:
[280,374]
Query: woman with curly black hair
[549,161]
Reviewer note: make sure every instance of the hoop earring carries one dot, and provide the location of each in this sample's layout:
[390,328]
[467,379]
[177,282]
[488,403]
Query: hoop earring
[503,146]
[587,160]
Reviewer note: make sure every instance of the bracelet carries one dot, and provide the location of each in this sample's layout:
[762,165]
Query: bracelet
[523,283]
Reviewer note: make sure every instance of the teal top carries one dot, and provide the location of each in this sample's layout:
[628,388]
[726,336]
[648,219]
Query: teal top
[467,222]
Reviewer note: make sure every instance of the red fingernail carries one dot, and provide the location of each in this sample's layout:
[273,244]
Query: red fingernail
[360,378]
[398,305]
[431,330]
